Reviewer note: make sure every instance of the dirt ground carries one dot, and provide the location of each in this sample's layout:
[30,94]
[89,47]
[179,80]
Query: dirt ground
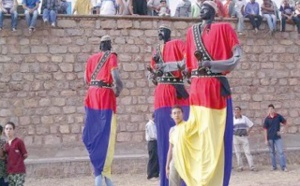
[263,177]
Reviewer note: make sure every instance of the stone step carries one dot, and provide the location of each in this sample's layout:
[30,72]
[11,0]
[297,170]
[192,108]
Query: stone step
[63,167]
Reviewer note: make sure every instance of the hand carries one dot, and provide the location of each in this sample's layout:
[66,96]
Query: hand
[267,143]
[167,172]
[4,10]
[279,133]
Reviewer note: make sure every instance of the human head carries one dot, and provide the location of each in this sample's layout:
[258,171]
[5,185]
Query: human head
[252,1]
[285,2]
[105,43]
[271,109]
[10,129]
[237,111]
[164,33]
[163,2]
[152,116]
[208,11]
[177,114]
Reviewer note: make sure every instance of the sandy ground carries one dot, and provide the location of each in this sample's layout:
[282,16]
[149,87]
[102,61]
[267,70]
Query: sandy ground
[264,176]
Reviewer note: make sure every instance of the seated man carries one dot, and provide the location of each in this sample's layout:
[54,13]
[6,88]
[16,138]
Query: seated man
[31,13]
[252,12]
[9,7]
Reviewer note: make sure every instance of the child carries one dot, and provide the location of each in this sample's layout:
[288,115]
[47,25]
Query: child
[16,154]
[163,8]
[151,138]
[239,9]
[171,172]
[49,9]
[3,173]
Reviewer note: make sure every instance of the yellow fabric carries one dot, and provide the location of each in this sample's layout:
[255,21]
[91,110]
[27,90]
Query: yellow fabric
[199,150]
[111,148]
[83,7]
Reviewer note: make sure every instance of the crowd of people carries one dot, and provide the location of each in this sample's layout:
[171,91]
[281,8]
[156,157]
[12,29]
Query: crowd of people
[12,155]
[239,9]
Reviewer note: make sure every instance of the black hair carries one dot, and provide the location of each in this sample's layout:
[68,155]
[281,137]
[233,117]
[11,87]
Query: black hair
[238,107]
[271,105]
[177,107]
[1,129]
[12,124]
[152,115]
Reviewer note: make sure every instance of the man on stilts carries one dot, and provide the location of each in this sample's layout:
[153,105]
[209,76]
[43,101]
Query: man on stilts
[99,133]
[166,67]
[204,151]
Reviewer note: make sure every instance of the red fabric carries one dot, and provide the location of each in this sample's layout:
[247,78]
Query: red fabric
[219,43]
[165,94]
[221,10]
[226,8]
[173,50]
[15,156]
[101,98]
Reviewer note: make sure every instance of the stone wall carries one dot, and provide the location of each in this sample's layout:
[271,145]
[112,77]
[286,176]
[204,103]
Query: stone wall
[42,88]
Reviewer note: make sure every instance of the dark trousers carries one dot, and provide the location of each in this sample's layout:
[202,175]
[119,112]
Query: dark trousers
[255,20]
[2,183]
[152,167]
[296,20]
[139,7]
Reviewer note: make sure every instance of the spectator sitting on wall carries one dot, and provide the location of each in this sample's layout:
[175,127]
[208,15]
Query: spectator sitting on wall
[83,7]
[229,8]
[49,9]
[296,16]
[9,7]
[287,12]
[153,7]
[221,10]
[163,9]
[31,13]
[196,8]
[268,12]
[3,173]
[183,9]
[125,7]
[240,9]
[252,12]
[62,7]
[108,7]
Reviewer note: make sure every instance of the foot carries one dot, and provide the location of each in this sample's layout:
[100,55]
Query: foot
[13,29]
[274,168]
[256,30]
[285,169]
[0,28]
[46,21]
[53,24]
[240,169]
[253,169]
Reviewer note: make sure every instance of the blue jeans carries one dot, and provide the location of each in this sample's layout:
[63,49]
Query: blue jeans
[14,18]
[271,20]
[98,181]
[49,15]
[279,148]
[31,18]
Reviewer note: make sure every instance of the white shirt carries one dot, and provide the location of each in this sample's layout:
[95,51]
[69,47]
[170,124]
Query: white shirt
[151,133]
[242,123]
[107,7]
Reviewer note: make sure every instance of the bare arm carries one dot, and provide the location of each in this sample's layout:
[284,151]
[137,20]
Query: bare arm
[117,81]
[171,66]
[266,136]
[169,158]
[224,65]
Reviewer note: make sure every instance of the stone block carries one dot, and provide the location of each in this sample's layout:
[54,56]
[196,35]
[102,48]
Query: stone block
[129,67]
[39,49]
[69,138]
[56,49]
[52,140]
[66,67]
[64,129]
[47,119]
[124,136]
[66,23]
[108,24]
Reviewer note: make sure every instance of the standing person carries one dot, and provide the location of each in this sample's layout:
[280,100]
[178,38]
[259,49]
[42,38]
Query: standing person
[296,16]
[252,12]
[108,7]
[240,9]
[272,136]
[83,7]
[153,7]
[242,126]
[196,8]
[229,8]
[9,7]
[125,7]
[31,13]
[3,173]
[151,138]
[49,9]
[168,64]
[212,51]
[99,133]
[139,7]
[183,9]
[287,12]
[16,154]
[171,172]
[268,12]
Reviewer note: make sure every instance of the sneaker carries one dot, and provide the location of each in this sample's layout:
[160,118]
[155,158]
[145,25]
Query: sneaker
[0,28]
[53,24]
[253,169]
[285,170]
[240,169]
[45,21]
[13,29]
[256,30]
[274,169]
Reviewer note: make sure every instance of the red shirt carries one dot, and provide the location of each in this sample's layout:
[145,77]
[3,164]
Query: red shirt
[15,160]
